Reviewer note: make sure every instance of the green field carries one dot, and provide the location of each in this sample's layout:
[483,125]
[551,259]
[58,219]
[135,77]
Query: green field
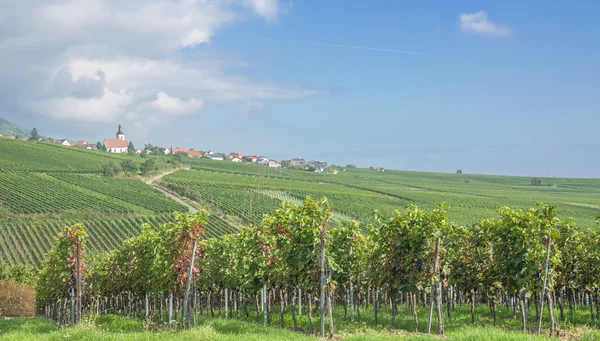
[44,186]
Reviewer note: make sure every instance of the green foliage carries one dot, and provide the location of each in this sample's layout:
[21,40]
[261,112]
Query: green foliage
[536,182]
[350,165]
[131,148]
[35,136]
[18,273]
[148,166]
[57,275]
[129,166]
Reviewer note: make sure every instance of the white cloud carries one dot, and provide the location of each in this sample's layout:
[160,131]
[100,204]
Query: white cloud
[478,23]
[269,9]
[168,105]
[110,60]
[106,108]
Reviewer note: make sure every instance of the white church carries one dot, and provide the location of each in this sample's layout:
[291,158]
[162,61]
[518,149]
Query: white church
[118,144]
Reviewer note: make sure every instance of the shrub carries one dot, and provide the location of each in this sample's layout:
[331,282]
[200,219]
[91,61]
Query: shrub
[16,299]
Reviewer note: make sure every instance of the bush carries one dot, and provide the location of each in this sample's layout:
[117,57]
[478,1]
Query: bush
[16,299]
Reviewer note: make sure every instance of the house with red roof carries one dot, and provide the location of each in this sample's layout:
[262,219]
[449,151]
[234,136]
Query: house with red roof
[178,150]
[81,144]
[194,153]
[235,155]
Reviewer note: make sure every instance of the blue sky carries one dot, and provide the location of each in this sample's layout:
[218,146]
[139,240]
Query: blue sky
[506,88]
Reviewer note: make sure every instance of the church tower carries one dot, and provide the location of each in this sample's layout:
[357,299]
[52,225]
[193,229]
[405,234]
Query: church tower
[120,134]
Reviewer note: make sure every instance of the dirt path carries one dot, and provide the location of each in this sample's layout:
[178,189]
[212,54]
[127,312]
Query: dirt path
[172,196]
[160,176]
[176,198]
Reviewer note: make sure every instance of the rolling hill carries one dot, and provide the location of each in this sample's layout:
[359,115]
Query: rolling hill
[45,186]
[8,128]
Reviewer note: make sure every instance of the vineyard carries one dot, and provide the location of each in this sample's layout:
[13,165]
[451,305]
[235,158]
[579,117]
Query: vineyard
[127,190]
[25,241]
[527,270]
[50,157]
[357,192]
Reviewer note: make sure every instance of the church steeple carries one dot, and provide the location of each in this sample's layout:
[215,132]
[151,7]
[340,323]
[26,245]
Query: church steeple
[120,134]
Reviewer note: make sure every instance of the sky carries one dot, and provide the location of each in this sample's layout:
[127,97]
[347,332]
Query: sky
[493,87]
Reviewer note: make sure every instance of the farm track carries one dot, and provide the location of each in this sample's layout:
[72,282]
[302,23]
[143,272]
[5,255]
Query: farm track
[151,182]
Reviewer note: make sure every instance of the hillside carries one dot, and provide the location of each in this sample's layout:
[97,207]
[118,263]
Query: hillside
[8,128]
[44,186]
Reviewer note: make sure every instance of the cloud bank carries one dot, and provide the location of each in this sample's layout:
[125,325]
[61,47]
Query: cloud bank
[110,60]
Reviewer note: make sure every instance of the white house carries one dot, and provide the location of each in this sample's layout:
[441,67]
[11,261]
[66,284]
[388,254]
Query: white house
[274,164]
[263,159]
[235,159]
[118,144]
[218,157]
[64,142]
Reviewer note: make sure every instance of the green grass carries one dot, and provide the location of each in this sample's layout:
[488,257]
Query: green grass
[110,327]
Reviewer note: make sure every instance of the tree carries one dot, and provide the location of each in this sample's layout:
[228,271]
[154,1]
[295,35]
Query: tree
[350,165]
[284,163]
[111,169]
[129,166]
[51,140]
[130,148]
[536,182]
[459,171]
[148,166]
[35,136]
[100,146]
[18,136]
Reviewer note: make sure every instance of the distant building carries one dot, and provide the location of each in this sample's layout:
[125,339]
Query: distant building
[139,151]
[252,157]
[298,162]
[218,157]
[194,153]
[178,150]
[117,145]
[236,160]
[81,144]
[235,155]
[274,164]
[263,160]
[64,142]
[379,169]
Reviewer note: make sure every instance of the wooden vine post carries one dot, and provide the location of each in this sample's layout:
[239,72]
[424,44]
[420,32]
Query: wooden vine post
[79,284]
[543,293]
[322,302]
[433,296]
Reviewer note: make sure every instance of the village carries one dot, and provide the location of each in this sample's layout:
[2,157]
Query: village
[119,144]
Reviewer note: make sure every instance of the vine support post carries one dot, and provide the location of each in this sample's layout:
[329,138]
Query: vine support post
[434,287]
[226,303]
[72,306]
[170,309]
[186,312]
[264,304]
[322,300]
[299,302]
[79,286]
[542,294]
[351,293]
